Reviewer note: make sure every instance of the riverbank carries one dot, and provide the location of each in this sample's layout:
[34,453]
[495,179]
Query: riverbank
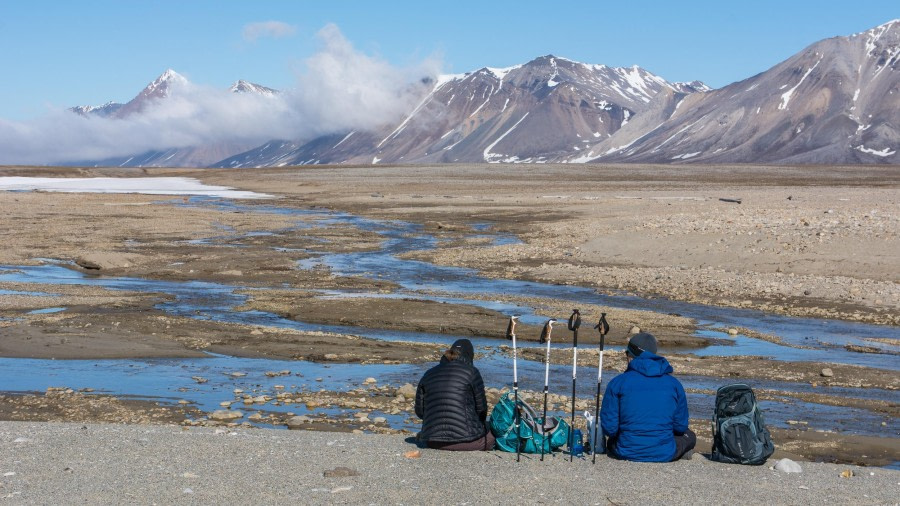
[56,463]
[130,277]
[377,409]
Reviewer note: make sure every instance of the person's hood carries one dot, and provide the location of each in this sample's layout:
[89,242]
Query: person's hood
[465,349]
[650,364]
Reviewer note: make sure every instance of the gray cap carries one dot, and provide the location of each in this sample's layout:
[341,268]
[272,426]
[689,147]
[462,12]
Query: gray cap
[641,342]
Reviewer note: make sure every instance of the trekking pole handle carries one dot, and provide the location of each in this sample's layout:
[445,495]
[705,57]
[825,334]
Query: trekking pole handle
[547,367]
[600,361]
[515,368]
[574,359]
[603,327]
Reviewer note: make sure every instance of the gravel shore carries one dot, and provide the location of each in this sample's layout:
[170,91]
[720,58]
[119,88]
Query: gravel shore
[51,463]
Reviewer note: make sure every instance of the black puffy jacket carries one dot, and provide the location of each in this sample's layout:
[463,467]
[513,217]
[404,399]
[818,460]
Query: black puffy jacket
[450,399]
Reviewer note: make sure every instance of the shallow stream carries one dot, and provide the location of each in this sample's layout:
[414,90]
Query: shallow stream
[805,339]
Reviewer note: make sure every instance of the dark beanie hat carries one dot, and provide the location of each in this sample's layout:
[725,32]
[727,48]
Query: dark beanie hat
[465,349]
[641,342]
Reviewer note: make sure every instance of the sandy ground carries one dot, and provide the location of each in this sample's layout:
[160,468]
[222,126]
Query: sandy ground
[809,241]
[63,463]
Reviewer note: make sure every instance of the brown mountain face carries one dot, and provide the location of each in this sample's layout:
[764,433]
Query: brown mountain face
[837,101]
[541,111]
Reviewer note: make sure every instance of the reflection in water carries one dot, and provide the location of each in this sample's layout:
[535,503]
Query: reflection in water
[171,378]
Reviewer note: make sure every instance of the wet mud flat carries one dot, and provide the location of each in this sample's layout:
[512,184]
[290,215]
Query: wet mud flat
[328,276]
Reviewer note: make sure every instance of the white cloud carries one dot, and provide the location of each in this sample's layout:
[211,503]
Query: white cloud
[275,29]
[341,89]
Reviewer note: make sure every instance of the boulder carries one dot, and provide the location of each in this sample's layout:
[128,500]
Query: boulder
[296,422]
[225,415]
[788,466]
[408,391]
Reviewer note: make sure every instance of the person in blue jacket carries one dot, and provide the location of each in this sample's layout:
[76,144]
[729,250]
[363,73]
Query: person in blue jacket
[644,411]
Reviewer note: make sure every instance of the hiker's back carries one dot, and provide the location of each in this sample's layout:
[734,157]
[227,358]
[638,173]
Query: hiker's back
[646,404]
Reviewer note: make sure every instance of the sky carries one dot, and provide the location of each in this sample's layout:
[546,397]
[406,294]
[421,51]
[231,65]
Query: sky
[59,54]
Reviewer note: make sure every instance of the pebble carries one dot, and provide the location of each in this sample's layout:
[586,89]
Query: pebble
[379,419]
[732,332]
[226,404]
[788,466]
[847,473]
[412,454]
[634,330]
[827,372]
[370,381]
[340,472]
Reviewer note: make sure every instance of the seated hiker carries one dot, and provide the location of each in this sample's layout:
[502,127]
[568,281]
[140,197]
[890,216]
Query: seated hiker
[450,401]
[644,410]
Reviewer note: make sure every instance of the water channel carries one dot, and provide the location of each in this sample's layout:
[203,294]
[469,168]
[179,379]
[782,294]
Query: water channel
[804,339]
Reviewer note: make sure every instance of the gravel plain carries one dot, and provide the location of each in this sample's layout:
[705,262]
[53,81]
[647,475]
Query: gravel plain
[50,463]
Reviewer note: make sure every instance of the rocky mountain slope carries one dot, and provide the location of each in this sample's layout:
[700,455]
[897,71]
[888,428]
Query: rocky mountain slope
[160,89]
[835,102]
[541,111]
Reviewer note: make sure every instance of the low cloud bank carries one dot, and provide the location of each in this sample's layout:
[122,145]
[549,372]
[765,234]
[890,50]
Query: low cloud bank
[341,89]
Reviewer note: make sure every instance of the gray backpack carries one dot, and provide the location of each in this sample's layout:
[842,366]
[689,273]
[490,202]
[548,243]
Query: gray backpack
[739,431]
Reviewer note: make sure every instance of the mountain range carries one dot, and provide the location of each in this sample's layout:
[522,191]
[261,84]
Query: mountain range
[835,102]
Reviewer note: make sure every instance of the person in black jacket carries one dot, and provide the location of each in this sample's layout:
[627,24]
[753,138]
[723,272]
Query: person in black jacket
[450,401]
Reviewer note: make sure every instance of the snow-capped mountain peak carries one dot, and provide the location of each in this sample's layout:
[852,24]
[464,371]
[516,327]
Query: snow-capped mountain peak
[242,86]
[163,84]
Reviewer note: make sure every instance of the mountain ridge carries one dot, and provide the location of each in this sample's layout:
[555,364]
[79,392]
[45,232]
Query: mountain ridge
[837,101]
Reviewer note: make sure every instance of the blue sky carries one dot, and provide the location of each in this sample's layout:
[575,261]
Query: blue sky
[64,53]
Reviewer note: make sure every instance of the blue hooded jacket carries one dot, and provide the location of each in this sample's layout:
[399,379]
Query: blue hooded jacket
[643,408]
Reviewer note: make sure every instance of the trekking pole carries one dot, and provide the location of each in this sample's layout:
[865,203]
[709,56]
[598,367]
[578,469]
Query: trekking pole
[511,334]
[603,327]
[545,338]
[574,323]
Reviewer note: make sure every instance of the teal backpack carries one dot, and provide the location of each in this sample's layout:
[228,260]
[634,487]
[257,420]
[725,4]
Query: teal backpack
[533,433]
